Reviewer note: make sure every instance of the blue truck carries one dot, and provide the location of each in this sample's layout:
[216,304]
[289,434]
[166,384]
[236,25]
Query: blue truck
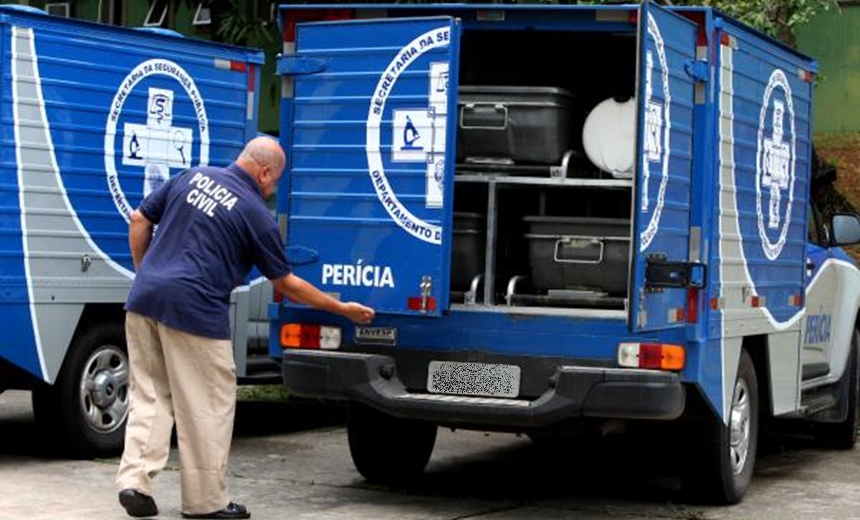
[564,215]
[93,118]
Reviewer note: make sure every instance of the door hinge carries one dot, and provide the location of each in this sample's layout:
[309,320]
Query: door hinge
[299,255]
[697,70]
[297,65]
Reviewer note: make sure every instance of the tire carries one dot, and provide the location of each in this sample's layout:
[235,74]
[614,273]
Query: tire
[88,403]
[386,449]
[719,465]
[843,435]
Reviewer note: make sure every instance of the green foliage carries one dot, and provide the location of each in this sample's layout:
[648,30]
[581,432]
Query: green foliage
[262,393]
[244,23]
[241,22]
[777,18]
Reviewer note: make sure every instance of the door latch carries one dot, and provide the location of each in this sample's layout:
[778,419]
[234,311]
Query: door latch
[664,274]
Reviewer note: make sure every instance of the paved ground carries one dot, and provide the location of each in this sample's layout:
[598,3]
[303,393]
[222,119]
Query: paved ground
[292,462]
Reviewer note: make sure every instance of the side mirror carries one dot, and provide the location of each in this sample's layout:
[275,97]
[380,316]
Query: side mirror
[845,228]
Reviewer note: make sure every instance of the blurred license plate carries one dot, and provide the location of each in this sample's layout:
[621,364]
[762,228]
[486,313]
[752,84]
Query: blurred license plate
[450,377]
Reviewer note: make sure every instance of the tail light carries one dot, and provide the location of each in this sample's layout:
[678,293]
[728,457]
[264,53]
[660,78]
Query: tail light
[693,305]
[315,337]
[658,356]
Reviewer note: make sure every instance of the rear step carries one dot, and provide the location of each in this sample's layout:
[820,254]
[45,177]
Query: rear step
[465,399]
[818,400]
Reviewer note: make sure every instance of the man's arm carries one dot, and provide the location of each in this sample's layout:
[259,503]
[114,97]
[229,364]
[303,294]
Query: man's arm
[139,236]
[301,291]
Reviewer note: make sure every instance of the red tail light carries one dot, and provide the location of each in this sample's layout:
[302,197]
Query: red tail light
[658,356]
[308,336]
[692,305]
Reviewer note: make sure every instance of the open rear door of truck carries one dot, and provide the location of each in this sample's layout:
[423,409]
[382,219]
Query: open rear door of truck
[370,142]
[664,157]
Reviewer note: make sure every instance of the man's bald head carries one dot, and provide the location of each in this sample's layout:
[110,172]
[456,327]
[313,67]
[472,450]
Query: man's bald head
[264,159]
[264,151]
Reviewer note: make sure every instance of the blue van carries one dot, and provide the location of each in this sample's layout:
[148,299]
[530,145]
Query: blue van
[563,215]
[94,118]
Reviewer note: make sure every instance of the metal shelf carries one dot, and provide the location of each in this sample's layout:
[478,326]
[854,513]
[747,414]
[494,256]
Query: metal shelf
[495,177]
[543,181]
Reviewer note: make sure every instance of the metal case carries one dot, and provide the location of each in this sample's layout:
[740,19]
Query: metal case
[578,253]
[529,125]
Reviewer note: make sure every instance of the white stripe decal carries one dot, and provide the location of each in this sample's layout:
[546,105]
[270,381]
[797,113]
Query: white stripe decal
[56,170]
[16,31]
[726,157]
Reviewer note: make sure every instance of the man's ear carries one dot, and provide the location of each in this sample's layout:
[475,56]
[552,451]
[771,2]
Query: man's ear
[264,175]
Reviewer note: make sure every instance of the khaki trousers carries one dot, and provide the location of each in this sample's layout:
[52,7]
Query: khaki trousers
[176,375]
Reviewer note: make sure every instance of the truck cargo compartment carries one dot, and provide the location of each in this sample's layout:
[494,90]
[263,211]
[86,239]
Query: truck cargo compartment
[556,227]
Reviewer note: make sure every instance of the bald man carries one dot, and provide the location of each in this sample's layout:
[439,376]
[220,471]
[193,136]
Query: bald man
[213,226]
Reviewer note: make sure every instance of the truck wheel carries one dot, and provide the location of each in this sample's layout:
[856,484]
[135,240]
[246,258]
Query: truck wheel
[843,435]
[719,466]
[388,449]
[88,403]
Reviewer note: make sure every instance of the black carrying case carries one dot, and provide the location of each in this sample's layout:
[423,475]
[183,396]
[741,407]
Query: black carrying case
[518,125]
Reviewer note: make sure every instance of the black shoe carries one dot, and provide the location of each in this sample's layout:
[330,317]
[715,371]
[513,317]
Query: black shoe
[231,511]
[137,504]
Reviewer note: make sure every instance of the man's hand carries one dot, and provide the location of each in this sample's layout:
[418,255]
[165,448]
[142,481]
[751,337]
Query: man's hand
[358,313]
[301,291]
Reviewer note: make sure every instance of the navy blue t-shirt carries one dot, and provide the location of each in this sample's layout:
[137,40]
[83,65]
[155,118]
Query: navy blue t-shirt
[213,227]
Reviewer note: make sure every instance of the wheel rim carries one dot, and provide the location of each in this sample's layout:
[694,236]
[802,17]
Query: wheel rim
[740,426]
[104,389]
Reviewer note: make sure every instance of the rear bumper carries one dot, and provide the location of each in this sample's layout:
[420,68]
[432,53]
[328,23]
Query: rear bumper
[577,392]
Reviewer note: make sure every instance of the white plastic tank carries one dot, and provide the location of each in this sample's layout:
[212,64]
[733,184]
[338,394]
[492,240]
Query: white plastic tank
[609,137]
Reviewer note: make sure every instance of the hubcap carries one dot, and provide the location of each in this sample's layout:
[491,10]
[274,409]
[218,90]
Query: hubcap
[104,389]
[740,426]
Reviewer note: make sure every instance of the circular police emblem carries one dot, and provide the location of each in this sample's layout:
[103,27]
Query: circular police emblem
[775,163]
[145,136]
[418,134]
[655,156]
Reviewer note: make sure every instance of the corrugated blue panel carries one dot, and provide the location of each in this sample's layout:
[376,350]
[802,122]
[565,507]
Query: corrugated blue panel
[665,160]
[772,150]
[100,106]
[364,134]
[86,82]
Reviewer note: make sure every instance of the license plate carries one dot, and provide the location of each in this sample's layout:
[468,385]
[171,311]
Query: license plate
[386,336]
[450,377]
